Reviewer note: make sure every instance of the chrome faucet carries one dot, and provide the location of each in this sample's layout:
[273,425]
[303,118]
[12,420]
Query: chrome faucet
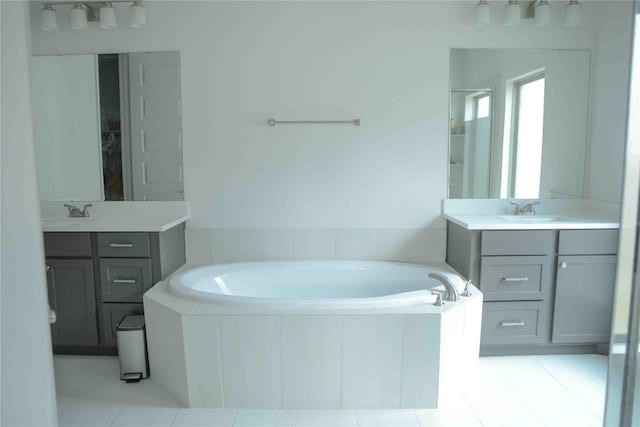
[76,212]
[451,292]
[527,209]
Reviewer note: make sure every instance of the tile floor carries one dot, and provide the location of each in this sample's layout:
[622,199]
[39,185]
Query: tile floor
[518,391]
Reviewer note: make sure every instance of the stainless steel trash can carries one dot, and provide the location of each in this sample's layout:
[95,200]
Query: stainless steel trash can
[132,349]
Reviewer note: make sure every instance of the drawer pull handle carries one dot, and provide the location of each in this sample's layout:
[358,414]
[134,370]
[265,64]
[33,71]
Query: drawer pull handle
[512,324]
[516,279]
[125,281]
[120,245]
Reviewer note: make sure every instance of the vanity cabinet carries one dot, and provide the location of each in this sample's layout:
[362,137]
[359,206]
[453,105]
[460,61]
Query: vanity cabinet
[544,290]
[584,286]
[97,278]
[71,291]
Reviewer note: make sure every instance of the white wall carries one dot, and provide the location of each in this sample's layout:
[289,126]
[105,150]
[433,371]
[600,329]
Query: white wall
[610,86]
[384,62]
[28,396]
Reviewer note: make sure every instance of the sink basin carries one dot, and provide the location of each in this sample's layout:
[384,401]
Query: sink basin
[529,219]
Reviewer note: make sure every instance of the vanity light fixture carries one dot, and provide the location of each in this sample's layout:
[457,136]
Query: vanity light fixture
[78,17]
[573,14]
[83,12]
[137,15]
[483,13]
[107,17]
[513,15]
[48,18]
[543,13]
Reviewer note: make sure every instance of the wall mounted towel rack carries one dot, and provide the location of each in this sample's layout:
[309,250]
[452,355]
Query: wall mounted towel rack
[273,122]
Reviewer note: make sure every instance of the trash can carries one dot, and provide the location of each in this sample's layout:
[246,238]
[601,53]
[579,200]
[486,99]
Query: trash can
[132,349]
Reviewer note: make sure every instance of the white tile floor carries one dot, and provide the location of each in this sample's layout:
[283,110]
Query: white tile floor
[562,391]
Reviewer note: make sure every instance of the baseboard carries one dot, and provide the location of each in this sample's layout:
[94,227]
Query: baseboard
[88,351]
[540,350]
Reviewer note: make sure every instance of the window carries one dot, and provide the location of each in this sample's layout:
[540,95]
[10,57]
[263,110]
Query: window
[483,105]
[527,127]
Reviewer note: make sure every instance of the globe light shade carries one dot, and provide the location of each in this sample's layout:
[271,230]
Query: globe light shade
[513,14]
[573,14]
[483,13]
[78,18]
[108,17]
[48,18]
[543,13]
[137,15]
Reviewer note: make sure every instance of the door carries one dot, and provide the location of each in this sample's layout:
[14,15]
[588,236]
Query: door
[156,126]
[584,299]
[72,296]
[623,377]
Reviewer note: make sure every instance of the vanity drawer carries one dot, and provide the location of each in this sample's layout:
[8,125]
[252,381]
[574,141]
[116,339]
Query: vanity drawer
[124,280]
[67,244]
[112,314]
[588,242]
[513,323]
[509,278]
[123,245]
[520,242]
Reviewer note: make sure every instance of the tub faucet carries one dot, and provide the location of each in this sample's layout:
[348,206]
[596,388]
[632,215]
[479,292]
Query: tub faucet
[76,212]
[451,293]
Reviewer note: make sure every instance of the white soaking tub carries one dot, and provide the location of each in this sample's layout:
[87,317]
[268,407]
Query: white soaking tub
[313,334]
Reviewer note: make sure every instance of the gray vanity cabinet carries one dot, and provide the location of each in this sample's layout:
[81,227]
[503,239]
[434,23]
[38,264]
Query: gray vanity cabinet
[71,292]
[95,279]
[544,290]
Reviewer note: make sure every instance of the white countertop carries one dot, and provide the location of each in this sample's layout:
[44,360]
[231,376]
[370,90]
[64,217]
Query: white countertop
[551,214]
[495,222]
[116,216]
[148,224]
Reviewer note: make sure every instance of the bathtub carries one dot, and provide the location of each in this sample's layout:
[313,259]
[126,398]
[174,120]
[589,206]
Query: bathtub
[314,284]
[313,334]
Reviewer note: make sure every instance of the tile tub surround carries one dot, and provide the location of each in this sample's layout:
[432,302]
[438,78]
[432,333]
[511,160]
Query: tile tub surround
[224,245]
[220,357]
[115,216]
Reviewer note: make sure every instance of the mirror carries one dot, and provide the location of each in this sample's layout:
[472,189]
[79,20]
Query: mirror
[518,123]
[108,126]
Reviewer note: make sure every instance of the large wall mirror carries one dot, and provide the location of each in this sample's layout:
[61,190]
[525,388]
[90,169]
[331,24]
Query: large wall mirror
[108,126]
[518,123]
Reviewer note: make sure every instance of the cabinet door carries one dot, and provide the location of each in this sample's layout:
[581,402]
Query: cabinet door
[584,299]
[72,296]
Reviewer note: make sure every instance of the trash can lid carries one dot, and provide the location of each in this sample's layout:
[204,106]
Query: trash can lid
[131,322]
